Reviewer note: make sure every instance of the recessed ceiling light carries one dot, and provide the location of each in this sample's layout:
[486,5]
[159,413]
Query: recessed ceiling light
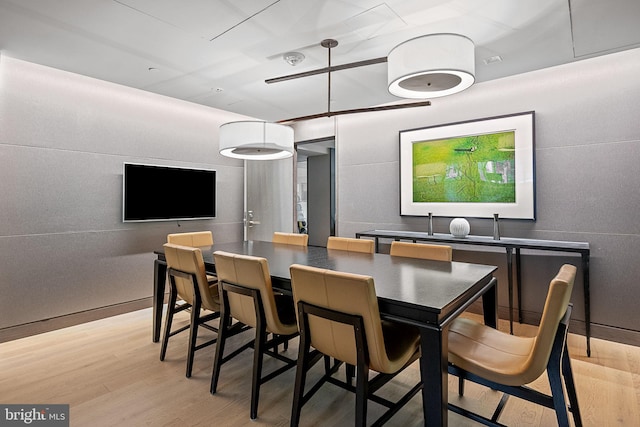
[492,59]
[293,58]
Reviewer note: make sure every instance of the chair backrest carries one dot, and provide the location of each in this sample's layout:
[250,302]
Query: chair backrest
[196,238]
[189,260]
[554,310]
[291,238]
[421,250]
[249,272]
[346,293]
[350,244]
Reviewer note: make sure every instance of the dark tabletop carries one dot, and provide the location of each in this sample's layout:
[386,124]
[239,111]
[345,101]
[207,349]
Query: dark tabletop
[433,286]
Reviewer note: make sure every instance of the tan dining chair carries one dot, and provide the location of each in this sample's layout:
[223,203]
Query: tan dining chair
[188,282]
[508,363]
[247,296]
[291,238]
[421,250]
[195,238]
[338,316]
[350,244]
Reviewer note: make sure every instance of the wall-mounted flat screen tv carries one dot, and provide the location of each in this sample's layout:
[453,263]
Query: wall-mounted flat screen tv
[165,193]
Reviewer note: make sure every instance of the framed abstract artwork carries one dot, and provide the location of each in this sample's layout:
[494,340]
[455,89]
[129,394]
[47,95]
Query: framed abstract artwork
[474,168]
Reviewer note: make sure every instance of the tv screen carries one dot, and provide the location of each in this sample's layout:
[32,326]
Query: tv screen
[164,193]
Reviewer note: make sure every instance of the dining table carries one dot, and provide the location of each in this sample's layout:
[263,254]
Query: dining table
[424,293]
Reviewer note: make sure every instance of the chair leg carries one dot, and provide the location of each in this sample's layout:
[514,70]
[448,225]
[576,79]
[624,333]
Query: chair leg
[557,391]
[567,372]
[362,393]
[193,335]
[461,385]
[225,319]
[301,375]
[285,344]
[349,372]
[258,351]
[167,325]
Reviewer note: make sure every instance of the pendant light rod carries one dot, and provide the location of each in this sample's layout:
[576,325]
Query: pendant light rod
[358,110]
[324,70]
[328,44]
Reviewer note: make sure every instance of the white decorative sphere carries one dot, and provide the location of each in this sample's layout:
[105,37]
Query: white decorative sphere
[459,227]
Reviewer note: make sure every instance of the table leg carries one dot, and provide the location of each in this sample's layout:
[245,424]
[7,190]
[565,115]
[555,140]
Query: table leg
[490,305]
[434,345]
[159,282]
[587,301]
[510,283]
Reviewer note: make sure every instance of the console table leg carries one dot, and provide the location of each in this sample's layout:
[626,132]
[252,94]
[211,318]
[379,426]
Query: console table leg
[510,283]
[518,285]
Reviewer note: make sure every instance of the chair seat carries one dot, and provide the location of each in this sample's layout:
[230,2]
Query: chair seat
[401,343]
[489,353]
[213,287]
[287,314]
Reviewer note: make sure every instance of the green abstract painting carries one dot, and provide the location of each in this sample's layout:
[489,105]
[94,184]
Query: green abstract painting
[469,169]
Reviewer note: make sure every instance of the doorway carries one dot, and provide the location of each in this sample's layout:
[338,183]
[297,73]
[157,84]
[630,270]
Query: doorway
[315,189]
[268,193]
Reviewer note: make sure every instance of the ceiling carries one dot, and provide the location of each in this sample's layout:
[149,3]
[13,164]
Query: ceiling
[220,52]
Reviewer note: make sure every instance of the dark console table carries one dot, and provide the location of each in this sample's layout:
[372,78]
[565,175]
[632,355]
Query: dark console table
[509,244]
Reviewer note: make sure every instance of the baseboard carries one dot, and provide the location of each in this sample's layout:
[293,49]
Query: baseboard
[605,332]
[620,335]
[52,324]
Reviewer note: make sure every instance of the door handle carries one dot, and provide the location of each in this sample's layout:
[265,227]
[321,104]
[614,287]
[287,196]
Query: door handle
[248,219]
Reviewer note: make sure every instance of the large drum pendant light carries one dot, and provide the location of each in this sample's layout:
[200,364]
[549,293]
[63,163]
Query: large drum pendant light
[431,66]
[256,140]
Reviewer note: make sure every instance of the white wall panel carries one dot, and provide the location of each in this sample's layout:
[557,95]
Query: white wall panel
[63,139]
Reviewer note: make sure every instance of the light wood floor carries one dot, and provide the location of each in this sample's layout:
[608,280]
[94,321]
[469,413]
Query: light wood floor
[110,373]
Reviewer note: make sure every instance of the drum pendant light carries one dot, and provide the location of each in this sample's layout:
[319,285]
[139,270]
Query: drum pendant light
[256,140]
[431,66]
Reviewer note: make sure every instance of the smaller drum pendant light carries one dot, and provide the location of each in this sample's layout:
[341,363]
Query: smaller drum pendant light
[256,140]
